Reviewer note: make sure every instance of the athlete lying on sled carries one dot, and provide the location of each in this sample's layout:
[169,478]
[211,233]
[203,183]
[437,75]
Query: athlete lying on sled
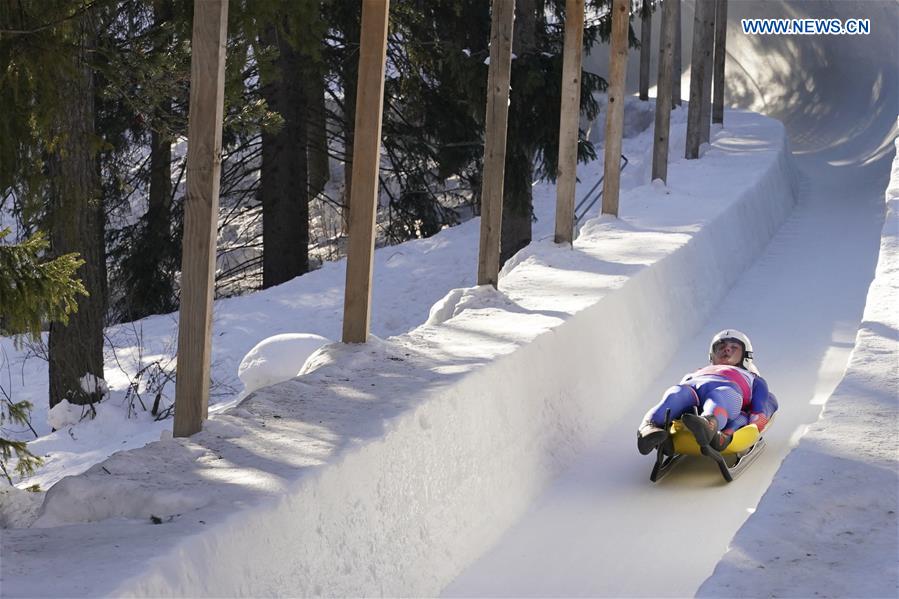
[720,409]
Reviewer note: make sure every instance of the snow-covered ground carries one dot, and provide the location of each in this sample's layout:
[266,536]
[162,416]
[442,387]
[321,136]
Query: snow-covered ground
[388,468]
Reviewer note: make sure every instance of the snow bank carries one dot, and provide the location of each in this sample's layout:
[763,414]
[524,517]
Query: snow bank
[65,414]
[277,358]
[839,539]
[388,467]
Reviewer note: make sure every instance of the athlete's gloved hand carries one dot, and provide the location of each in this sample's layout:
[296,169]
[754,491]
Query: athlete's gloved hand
[759,419]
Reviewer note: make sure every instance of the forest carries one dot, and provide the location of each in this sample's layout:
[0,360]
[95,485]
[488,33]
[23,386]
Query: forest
[93,134]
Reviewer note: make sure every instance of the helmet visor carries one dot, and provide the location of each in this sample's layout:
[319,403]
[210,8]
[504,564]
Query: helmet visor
[720,345]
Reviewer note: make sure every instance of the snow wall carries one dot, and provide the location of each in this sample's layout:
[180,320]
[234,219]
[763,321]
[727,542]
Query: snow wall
[858,427]
[390,466]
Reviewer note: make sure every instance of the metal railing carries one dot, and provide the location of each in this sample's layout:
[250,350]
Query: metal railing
[591,197]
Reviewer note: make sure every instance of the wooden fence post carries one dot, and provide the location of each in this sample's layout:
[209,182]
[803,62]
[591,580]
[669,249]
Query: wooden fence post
[645,47]
[498,75]
[663,93]
[366,160]
[700,63]
[569,120]
[615,108]
[204,162]
[720,55]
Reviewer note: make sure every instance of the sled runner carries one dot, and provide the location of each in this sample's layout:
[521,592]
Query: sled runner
[745,447]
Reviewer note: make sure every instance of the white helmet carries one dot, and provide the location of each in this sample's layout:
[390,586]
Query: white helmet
[742,339]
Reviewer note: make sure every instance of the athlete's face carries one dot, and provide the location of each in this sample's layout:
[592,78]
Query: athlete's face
[727,353]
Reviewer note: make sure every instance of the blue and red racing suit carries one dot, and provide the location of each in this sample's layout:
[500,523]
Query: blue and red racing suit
[735,396]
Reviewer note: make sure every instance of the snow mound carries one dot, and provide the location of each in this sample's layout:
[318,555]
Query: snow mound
[126,487]
[64,414]
[278,358]
[352,357]
[458,300]
[117,498]
[95,386]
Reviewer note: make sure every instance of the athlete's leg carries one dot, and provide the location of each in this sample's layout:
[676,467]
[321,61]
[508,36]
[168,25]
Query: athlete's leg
[721,401]
[736,424]
[679,399]
[675,402]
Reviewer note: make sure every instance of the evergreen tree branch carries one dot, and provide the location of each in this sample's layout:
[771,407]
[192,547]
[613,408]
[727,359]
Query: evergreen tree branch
[49,25]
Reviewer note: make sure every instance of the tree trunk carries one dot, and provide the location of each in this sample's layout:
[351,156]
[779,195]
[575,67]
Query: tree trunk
[317,133]
[349,104]
[706,120]
[703,31]
[283,180]
[352,32]
[152,291]
[316,123]
[676,71]
[720,55]
[519,173]
[517,202]
[663,105]
[645,48]
[77,222]
[159,211]
[611,185]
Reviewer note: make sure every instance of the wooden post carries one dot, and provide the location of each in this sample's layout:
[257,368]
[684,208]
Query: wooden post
[498,75]
[569,120]
[204,162]
[663,93]
[703,29]
[645,47]
[366,159]
[615,108]
[678,49]
[706,121]
[720,55]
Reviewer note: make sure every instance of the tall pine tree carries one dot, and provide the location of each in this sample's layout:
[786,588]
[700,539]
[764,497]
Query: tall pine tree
[145,59]
[284,174]
[75,215]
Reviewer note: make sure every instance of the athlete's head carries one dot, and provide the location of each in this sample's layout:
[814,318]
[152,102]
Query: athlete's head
[733,348]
